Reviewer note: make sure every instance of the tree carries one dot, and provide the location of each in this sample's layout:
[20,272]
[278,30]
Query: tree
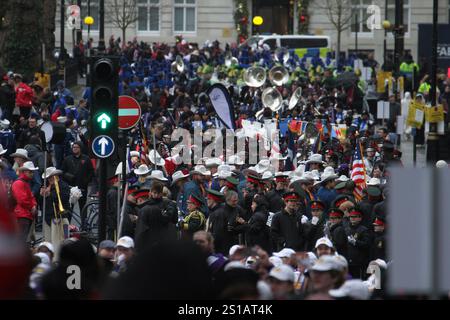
[339,14]
[123,13]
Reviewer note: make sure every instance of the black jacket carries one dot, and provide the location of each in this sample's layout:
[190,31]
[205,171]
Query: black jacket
[366,207]
[224,227]
[156,222]
[7,97]
[313,233]
[339,238]
[257,232]
[378,246]
[78,171]
[358,254]
[287,231]
[26,135]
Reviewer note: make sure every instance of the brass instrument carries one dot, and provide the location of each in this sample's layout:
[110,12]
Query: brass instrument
[58,194]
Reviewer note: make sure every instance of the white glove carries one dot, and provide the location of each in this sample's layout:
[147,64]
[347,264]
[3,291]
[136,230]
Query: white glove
[352,240]
[314,220]
[75,195]
[304,219]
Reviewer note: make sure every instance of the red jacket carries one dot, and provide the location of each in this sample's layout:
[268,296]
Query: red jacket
[24,96]
[25,200]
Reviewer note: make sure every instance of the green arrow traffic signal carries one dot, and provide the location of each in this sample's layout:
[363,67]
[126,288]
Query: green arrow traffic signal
[103,119]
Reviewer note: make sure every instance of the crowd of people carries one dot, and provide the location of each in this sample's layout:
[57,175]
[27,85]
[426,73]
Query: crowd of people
[304,222]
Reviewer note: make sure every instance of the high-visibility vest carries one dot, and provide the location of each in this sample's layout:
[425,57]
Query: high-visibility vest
[408,67]
[424,87]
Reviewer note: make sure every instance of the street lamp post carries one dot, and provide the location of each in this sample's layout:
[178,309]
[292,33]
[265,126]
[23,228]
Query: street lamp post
[88,21]
[101,42]
[62,51]
[385,31]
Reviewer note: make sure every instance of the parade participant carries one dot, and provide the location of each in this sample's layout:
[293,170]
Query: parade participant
[195,187]
[156,218]
[326,193]
[367,205]
[32,130]
[56,195]
[179,180]
[142,172]
[315,162]
[7,137]
[378,243]
[215,221]
[78,172]
[195,220]
[25,207]
[314,229]
[286,228]
[369,160]
[257,231]
[358,244]
[275,197]
[7,97]
[336,231]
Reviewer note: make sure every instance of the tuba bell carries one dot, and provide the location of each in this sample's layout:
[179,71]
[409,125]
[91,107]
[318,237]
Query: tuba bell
[296,96]
[254,77]
[278,76]
[271,98]
[283,52]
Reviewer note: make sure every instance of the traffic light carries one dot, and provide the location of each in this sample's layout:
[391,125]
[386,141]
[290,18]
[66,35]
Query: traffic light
[104,83]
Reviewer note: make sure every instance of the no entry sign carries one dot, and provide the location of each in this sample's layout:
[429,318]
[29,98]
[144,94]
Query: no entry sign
[129,112]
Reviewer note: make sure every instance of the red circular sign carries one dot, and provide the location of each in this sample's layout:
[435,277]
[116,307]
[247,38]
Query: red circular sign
[129,112]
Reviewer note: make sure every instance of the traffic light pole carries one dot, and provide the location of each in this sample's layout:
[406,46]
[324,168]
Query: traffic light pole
[101,41]
[103,189]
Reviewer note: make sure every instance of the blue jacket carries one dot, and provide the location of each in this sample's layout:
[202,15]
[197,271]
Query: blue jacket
[190,188]
[326,196]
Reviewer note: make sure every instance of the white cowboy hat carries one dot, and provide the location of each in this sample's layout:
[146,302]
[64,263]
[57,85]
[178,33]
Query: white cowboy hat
[134,154]
[267,175]
[28,166]
[200,169]
[21,153]
[223,174]
[315,158]
[307,176]
[178,175]
[374,182]
[328,174]
[157,175]
[61,119]
[142,170]
[262,166]
[5,123]
[343,178]
[51,171]
[2,151]
[210,162]
[155,158]
[236,160]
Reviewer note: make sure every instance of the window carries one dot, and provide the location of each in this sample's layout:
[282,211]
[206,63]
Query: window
[304,43]
[148,15]
[360,16]
[406,13]
[95,13]
[185,12]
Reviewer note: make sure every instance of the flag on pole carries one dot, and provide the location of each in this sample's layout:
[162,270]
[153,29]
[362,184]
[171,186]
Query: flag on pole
[291,160]
[358,172]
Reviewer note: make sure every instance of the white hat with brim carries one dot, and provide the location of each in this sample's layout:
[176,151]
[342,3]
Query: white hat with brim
[278,156]
[178,175]
[284,253]
[20,153]
[343,178]
[315,158]
[142,170]
[283,273]
[223,174]
[155,155]
[5,123]
[48,245]
[28,166]
[134,154]
[200,169]
[328,174]
[2,151]
[51,171]
[324,241]
[325,263]
[157,175]
[125,242]
[355,289]
[213,162]
[374,182]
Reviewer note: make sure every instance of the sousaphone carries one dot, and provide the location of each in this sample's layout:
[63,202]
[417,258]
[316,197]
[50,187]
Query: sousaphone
[254,77]
[296,96]
[278,76]
[177,65]
[271,98]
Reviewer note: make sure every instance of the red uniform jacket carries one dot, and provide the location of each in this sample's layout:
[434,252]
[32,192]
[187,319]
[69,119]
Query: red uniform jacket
[25,200]
[24,96]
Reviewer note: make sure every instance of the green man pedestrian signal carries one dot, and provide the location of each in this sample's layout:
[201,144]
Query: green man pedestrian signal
[104,96]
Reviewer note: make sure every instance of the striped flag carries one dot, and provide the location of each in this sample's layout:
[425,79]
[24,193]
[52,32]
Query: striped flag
[358,172]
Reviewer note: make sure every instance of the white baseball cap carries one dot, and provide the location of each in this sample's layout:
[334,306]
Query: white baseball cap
[325,241]
[276,261]
[283,273]
[125,242]
[326,263]
[354,288]
[284,253]
[234,248]
[48,245]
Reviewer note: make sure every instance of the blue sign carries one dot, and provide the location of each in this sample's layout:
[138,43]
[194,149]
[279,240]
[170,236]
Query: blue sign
[103,146]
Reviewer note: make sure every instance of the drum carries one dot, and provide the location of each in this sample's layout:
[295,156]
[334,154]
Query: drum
[54,132]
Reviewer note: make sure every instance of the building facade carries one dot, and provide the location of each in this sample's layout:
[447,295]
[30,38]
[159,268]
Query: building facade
[201,20]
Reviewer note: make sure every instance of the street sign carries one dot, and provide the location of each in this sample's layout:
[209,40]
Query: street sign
[103,146]
[104,120]
[129,112]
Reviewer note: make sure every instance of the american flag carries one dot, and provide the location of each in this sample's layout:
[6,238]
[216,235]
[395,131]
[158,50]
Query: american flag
[358,172]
